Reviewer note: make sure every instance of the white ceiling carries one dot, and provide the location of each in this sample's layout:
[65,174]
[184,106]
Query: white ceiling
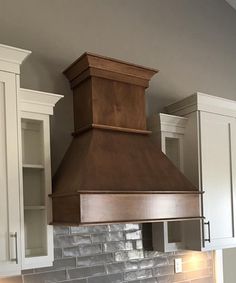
[232,3]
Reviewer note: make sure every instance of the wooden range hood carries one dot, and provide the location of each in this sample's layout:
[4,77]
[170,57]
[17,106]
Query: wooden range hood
[114,170]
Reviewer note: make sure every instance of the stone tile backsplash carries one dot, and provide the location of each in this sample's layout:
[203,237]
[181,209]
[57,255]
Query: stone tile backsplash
[115,253]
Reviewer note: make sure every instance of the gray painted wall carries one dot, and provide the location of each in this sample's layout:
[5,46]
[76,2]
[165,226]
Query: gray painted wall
[191,42]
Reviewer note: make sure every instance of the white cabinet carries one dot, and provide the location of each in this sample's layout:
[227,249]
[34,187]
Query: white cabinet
[210,163]
[10,248]
[35,177]
[25,175]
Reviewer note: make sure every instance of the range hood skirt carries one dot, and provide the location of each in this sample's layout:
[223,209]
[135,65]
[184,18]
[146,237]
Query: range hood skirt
[103,208]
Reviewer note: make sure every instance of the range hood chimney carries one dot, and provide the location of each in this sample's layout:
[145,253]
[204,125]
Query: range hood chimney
[114,170]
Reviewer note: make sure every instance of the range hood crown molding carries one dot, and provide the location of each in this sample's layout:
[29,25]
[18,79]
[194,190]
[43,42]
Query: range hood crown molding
[90,64]
[114,170]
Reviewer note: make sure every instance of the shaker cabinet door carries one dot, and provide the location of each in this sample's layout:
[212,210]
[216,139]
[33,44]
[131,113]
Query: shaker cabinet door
[9,178]
[217,147]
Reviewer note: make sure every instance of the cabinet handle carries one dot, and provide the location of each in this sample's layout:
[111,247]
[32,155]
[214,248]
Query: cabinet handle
[14,235]
[209,231]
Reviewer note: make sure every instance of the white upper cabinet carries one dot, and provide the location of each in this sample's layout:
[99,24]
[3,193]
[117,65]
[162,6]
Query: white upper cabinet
[26,239]
[35,177]
[210,163]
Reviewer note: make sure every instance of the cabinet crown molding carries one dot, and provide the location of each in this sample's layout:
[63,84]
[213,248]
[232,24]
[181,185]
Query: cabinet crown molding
[203,102]
[38,101]
[171,123]
[11,58]
[168,123]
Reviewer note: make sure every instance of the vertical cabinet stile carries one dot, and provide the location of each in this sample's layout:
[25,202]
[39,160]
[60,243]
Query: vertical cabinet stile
[10,262]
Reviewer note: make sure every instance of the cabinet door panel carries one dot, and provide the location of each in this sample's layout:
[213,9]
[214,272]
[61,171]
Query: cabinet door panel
[9,178]
[217,134]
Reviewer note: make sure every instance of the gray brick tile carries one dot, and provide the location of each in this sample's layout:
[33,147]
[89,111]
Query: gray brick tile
[95,260]
[130,227]
[135,254]
[129,255]
[116,227]
[131,265]
[118,246]
[64,262]
[98,238]
[149,280]
[146,263]
[71,240]
[61,230]
[86,271]
[57,253]
[82,250]
[163,270]
[161,260]
[133,275]
[115,236]
[167,279]
[121,256]
[71,252]
[53,276]
[90,250]
[74,281]
[139,244]
[115,267]
[98,228]
[112,278]
[150,254]
[47,269]
[135,235]
[80,230]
